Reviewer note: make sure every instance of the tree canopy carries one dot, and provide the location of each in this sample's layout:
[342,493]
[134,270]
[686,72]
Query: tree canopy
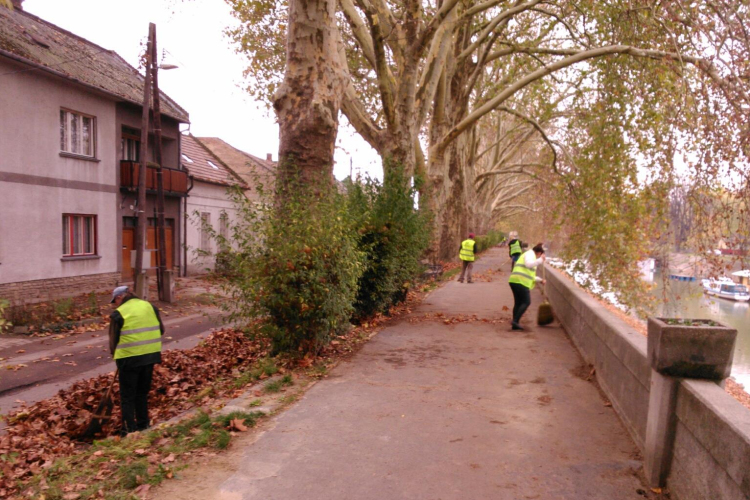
[587,111]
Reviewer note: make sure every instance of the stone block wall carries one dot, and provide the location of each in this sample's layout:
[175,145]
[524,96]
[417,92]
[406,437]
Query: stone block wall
[30,292]
[711,457]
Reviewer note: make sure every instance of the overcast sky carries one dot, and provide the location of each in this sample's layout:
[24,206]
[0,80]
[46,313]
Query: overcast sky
[208,82]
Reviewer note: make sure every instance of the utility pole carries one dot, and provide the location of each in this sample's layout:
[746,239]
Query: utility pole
[141,283]
[164,279]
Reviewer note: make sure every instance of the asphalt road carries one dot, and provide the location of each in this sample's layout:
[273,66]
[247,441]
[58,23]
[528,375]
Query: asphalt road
[54,364]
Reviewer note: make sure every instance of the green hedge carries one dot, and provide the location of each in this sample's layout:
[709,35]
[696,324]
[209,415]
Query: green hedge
[393,235]
[489,240]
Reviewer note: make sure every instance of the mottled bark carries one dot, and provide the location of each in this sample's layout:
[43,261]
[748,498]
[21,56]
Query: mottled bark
[451,193]
[308,102]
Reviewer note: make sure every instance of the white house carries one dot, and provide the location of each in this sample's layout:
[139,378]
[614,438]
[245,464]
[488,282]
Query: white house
[69,115]
[209,203]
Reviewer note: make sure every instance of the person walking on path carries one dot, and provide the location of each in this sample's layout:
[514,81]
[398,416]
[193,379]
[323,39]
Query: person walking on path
[466,253]
[135,332]
[522,281]
[514,248]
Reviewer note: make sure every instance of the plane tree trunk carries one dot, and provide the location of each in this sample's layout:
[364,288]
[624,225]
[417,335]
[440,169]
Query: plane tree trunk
[308,102]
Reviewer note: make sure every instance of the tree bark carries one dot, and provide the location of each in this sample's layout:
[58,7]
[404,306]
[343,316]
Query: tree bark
[308,102]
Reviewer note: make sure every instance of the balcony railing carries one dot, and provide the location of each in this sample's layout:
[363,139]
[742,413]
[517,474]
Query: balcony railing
[175,181]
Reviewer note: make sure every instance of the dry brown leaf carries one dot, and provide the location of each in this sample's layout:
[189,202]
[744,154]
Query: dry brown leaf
[142,491]
[237,425]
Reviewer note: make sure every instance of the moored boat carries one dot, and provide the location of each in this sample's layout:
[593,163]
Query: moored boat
[725,288]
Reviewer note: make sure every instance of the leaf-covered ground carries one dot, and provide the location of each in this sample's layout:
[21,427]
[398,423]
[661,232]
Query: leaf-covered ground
[38,446]
[36,435]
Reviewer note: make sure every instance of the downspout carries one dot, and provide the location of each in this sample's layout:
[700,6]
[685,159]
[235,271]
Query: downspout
[185,223]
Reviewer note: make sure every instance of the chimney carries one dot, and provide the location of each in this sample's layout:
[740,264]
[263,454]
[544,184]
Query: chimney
[269,157]
[17,4]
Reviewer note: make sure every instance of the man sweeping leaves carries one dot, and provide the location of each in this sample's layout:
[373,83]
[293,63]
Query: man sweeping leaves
[522,281]
[135,332]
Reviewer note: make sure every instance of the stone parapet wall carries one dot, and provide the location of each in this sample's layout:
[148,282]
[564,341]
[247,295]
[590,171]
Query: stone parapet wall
[711,457]
[30,292]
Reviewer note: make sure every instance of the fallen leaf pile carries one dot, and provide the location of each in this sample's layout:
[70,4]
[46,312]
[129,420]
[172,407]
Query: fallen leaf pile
[73,329]
[447,266]
[459,318]
[488,275]
[36,435]
[41,433]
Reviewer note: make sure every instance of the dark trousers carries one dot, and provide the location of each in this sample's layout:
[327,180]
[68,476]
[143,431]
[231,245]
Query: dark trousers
[522,300]
[135,383]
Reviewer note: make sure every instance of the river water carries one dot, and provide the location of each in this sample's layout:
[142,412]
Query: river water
[684,299]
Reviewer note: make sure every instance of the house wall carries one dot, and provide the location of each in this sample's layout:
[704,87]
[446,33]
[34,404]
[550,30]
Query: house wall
[711,456]
[128,115]
[213,199]
[38,185]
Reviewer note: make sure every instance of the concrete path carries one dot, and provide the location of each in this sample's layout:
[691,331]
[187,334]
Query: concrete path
[429,410]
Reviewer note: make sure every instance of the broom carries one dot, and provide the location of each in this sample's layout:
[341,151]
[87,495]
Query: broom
[544,315]
[103,412]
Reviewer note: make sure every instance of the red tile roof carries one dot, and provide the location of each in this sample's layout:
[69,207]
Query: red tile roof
[203,165]
[250,168]
[36,42]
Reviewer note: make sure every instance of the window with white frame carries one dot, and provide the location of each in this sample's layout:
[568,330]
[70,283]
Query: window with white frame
[131,144]
[79,235]
[224,225]
[206,231]
[77,133]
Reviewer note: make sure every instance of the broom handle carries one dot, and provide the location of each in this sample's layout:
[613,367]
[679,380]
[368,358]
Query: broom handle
[106,397]
[544,277]
[114,379]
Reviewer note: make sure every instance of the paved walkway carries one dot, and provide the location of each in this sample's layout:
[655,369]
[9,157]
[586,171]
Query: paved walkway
[429,410]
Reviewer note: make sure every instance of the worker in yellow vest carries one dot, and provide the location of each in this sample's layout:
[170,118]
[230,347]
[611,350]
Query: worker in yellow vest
[135,332]
[466,253]
[514,248]
[522,281]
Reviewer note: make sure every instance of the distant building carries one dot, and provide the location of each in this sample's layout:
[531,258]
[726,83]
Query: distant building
[209,205]
[70,114]
[250,168]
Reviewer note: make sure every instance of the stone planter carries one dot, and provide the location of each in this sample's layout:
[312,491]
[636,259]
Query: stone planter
[691,348]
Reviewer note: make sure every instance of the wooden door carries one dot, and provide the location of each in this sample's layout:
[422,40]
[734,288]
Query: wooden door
[152,244]
[128,245]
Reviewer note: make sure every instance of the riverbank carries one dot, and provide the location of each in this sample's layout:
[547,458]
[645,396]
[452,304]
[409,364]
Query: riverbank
[737,385]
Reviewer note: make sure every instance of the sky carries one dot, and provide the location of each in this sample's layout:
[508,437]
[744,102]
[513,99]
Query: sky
[208,82]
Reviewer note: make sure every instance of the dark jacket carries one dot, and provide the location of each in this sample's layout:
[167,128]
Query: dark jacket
[510,243]
[115,327]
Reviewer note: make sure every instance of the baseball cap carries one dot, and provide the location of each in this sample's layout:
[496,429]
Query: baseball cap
[471,235]
[120,290]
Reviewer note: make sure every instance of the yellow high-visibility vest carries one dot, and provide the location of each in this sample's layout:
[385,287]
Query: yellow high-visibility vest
[523,275]
[140,332]
[515,247]
[467,250]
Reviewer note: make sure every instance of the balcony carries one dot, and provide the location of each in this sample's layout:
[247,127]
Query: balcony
[175,181]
